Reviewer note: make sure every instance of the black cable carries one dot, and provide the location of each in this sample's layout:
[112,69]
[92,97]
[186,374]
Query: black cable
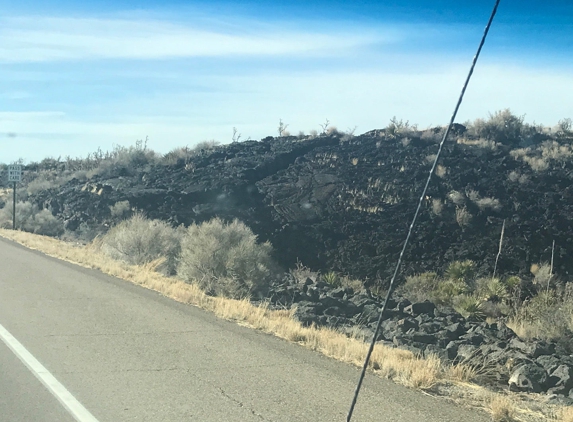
[390,288]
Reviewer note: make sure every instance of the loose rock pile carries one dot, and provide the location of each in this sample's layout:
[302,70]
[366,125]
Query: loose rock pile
[501,357]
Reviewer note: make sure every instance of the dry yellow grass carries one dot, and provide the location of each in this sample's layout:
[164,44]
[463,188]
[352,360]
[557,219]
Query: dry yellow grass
[566,414]
[395,364]
[502,409]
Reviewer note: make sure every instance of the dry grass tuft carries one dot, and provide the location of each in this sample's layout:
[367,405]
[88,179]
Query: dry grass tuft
[566,414]
[461,372]
[502,409]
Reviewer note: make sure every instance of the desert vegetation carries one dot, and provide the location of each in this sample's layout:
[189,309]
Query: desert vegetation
[190,228]
[402,366]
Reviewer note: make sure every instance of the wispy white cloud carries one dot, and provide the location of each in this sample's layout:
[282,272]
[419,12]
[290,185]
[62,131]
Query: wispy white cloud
[40,39]
[367,99]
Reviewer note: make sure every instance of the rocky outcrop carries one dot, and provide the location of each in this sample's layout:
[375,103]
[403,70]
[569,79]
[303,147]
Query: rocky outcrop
[502,359]
[345,203]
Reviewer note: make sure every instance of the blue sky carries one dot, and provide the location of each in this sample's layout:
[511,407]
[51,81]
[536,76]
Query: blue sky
[75,76]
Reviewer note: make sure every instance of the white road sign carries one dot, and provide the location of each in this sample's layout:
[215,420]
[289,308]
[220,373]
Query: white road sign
[15,173]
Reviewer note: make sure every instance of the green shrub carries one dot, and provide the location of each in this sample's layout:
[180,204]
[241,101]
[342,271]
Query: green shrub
[31,219]
[139,240]
[420,287]
[225,259]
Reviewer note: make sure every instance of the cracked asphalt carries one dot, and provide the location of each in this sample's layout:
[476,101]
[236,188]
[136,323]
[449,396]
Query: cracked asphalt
[129,354]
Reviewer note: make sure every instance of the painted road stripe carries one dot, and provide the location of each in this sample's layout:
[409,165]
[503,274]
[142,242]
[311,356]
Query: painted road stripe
[79,412]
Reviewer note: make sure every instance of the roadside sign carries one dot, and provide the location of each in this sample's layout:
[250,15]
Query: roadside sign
[15,173]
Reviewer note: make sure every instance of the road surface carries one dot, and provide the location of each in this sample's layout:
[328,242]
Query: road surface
[124,353]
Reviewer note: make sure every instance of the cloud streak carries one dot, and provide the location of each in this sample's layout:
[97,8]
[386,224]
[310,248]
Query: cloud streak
[366,99]
[43,39]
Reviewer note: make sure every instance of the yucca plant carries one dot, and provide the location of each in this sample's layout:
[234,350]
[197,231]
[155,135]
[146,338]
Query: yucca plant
[332,279]
[470,306]
[463,271]
[512,282]
[493,290]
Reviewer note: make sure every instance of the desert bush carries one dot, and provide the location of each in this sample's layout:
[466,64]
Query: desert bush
[31,219]
[457,197]
[441,171]
[180,155]
[479,144]
[542,276]
[515,176]
[398,127]
[225,259]
[564,127]
[139,240]
[447,290]
[488,203]
[463,216]
[301,273]
[548,316]
[120,209]
[124,160]
[437,206]
[483,203]
[85,233]
[420,287]
[205,145]
[541,157]
[39,184]
[502,126]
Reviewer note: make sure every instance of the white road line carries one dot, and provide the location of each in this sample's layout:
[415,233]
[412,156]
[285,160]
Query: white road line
[79,412]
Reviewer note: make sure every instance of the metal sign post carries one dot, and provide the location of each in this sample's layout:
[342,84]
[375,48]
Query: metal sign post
[14,175]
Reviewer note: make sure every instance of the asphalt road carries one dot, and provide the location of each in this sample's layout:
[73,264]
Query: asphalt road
[129,354]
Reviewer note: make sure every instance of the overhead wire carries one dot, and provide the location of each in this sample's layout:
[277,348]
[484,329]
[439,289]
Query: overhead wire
[421,201]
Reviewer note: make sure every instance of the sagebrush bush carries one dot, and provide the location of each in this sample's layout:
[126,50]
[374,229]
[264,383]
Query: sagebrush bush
[139,240]
[120,209]
[182,155]
[225,259]
[40,184]
[31,219]
[420,287]
[502,126]
[124,160]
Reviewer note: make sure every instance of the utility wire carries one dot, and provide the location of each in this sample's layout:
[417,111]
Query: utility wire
[388,295]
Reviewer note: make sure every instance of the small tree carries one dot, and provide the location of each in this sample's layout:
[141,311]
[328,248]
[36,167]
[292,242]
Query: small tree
[282,128]
[324,126]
